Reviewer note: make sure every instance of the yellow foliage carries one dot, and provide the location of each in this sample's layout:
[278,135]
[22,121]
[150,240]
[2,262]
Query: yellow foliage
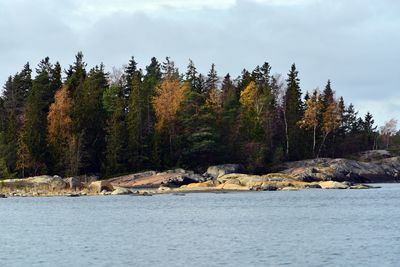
[59,119]
[331,117]
[310,118]
[170,94]
[248,95]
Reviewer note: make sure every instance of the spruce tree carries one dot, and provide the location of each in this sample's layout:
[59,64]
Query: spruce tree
[293,112]
[34,134]
[88,115]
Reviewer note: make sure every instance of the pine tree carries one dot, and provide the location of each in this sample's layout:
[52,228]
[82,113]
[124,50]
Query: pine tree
[40,97]
[229,116]
[129,74]
[88,116]
[116,154]
[191,75]
[293,113]
[211,83]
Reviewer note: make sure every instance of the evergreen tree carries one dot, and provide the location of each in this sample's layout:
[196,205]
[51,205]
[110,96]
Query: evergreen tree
[88,115]
[293,112]
[211,83]
[130,72]
[41,95]
[191,76]
[116,154]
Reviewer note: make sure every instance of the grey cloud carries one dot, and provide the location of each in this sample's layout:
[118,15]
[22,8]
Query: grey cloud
[354,43]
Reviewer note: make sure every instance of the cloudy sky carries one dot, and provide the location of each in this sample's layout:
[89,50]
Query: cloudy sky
[355,43]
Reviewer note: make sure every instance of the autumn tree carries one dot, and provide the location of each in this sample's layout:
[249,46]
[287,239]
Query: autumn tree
[170,94]
[388,130]
[59,132]
[331,121]
[313,108]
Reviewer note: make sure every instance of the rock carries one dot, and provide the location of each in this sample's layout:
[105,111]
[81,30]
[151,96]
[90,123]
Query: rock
[99,186]
[202,185]
[340,170]
[172,178]
[121,191]
[333,185]
[373,155]
[289,188]
[178,194]
[131,179]
[3,196]
[233,181]
[74,183]
[234,187]
[44,183]
[360,186]
[219,170]
[268,187]
[164,189]
[312,186]
[73,195]
[144,193]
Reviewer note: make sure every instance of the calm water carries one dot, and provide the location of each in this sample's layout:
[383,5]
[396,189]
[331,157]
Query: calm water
[302,228]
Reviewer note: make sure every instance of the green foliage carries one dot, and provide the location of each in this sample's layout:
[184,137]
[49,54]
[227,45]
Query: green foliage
[293,113]
[116,126]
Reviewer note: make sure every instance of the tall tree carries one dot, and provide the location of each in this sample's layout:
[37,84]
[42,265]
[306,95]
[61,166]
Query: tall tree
[293,112]
[59,133]
[88,115]
[170,94]
[35,129]
[116,154]
[310,118]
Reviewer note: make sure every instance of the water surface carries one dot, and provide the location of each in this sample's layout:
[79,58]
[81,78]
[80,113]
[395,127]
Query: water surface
[302,228]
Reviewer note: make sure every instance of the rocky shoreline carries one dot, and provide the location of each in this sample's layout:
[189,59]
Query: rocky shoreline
[308,174]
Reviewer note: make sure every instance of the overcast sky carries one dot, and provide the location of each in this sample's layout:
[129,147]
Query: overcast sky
[355,43]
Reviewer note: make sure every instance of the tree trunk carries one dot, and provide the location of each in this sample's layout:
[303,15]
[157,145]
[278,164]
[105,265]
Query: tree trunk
[286,133]
[314,140]
[322,144]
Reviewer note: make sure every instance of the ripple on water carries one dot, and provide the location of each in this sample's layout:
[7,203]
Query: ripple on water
[303,228]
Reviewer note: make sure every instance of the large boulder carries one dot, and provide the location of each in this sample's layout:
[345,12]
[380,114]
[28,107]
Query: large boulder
[131,180]
[333,185]
[373,155]
[233,187]
[325,169]
[74,183]
[121,191]
[99,186]
[43,182]
[220,170]
[151,179]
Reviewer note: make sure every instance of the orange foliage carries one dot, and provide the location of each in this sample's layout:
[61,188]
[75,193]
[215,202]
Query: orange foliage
[311,114]
[331,118]
[59,119]
[170,94]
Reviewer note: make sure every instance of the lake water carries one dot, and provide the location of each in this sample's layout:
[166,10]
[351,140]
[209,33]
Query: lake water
[302,228]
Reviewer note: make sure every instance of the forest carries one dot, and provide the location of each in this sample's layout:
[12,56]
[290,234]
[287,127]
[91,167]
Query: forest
[87,121]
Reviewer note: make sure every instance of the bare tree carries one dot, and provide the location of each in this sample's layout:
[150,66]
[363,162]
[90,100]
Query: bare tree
[388,130]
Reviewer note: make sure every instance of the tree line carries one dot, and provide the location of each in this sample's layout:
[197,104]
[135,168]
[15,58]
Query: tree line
[80,121]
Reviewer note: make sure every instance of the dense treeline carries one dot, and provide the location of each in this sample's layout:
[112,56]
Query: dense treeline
[90,121]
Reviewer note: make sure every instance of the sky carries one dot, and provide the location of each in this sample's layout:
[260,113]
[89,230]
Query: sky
[354,43]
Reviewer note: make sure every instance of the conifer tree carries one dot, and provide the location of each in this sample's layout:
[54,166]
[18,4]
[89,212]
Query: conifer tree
[35,129]
[293,113]
[116,154]
[88,115]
